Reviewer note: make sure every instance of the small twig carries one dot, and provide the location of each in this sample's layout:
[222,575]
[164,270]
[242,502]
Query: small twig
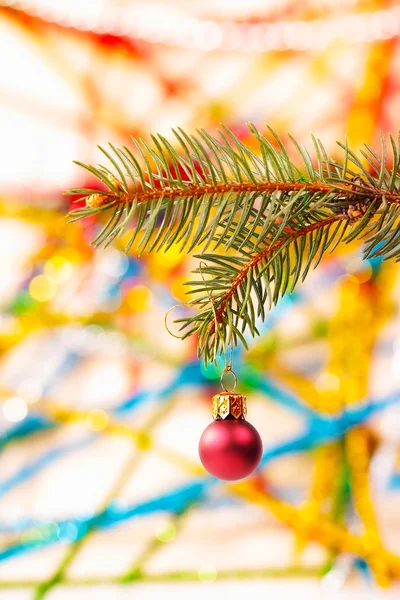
[262,255]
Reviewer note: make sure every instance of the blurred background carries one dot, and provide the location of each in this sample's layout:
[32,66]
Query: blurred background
[102,494]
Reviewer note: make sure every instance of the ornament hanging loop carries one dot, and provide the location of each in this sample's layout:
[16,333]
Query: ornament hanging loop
[228,370]
[178,337]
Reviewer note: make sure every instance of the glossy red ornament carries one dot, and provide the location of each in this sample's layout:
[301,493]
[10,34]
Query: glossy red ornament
[230,449]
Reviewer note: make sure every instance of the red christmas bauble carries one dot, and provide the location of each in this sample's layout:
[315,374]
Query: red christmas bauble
[230,449]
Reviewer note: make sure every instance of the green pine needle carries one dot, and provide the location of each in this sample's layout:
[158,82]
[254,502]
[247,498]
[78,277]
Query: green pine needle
[261,220]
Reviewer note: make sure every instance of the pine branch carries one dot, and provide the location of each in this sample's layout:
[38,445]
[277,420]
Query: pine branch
[272,219]
[269,251]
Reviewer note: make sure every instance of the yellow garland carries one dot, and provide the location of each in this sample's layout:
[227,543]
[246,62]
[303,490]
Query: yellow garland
[320,529]
[326,472]
[364,308]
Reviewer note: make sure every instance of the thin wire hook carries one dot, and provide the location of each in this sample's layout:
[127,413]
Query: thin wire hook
[226,371]
[178,337]
[228,364]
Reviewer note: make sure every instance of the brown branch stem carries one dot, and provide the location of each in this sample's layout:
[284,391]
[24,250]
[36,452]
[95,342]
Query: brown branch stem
[191,191]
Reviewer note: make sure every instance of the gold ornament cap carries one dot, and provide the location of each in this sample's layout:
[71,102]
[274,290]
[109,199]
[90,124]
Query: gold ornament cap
[229,405]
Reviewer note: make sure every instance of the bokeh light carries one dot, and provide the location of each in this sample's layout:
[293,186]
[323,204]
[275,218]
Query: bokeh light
[15,409]
[42,288]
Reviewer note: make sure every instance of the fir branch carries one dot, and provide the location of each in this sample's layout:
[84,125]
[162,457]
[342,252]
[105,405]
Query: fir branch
[266,253]
[274,217]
